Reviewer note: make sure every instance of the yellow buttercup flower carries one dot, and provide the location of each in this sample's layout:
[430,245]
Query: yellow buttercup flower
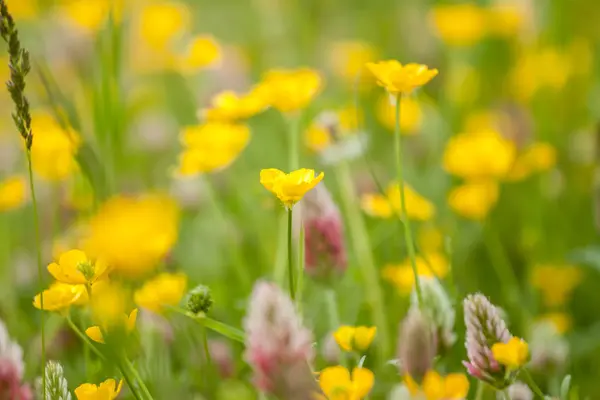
[504,20]
[95,333]
[560,320]
[317,138]
[164,289]
[107,390]
[13,193]
[536,158]
[482,154]
[133,234]
[401,275]
[229,106]
[436,387]
[474,200]
[109,303]
[397,78]
[161,22]
[348,58]
[459,24]
[337,383]
[411,115]
[289,90]
[289,188]
[203,51]
[513,354]
[74,267]
[211,146]
[556,282]
[22,9]
[59,296]
[417,207]
[90,15]
[354,338]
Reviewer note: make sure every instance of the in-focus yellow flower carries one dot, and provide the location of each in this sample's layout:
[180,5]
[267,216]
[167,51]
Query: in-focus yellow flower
[74,267]
[483,154]
[397,78]
[289,90]
[436,387]
[133,234]
[513,354]
[161,22]
[459,24]
[417,207]
[474,199]
[107,390]
[211,146]
[560,320]
[402,277]
[203,51]
[90,15]
[229,106]
[348,58]
[289,188]
[95,333]
[556,282]
[536,158]
[504,20]
[13,193]
[164,289]
[411,115]
[354,338]
[337,383]
[59,296]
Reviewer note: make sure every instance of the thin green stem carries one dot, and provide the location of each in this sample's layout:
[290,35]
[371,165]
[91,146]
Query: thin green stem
[290,257]
[84,338]
[334,318]
[505,394]
[300,270]
[214,325]
[293,152]
[400,176]
[480,390]
[129,379]
[209,364]
[137,377]
[531,383]
[38,250]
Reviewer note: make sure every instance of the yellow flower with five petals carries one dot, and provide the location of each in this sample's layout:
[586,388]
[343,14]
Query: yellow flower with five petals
[354,338]
[289,90]
[289,188]
[338,384]
[60,296]
[107,390]
[74,267]
[397,78]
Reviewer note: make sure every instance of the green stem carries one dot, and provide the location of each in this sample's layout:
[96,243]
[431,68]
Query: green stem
[290,257]
[84,338]
[138,378]
[214,325]
[505,394]
[406,221]
[293,154]
[38,245]
[480,390]
[334,318]
[129,379]
[531,383]
[209,363]
[300,270]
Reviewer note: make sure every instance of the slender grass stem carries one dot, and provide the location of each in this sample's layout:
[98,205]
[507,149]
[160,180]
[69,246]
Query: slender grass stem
[293,152]
[208,358]
[300,270]
[505,394]
[136,375]
[290,257]
[214,325]
[334,318]
[129,379]
[480,390]
[531,383]
[84,338]
[400,176]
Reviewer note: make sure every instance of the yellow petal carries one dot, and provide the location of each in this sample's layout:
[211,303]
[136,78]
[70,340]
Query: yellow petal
[456,386]
[268,177]
[433,385]
[131,319]
[344,337]
[363,336]
[362,380]
[95,334]
[335,379]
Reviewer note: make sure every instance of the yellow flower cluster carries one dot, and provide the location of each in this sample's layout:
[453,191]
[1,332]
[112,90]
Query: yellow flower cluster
[337,383]
[289,188]
[437,387]
[385,206]
[401,275]
[354,338]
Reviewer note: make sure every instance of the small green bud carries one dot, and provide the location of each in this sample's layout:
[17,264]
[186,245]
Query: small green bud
[199,299]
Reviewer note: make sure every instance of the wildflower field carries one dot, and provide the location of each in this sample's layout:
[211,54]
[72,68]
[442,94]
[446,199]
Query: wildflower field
[299,200]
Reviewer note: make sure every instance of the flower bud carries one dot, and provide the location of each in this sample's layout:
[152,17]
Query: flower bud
[416,347]
[199,300]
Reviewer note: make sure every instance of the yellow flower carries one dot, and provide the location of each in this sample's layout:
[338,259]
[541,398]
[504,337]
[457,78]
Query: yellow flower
[317,138]
[556,282]
[430,239]
[348,58]
[22,9]
[337,383]
[560,320]
[74,267]
[504,20]
[289,188]
[322,134]
[417,207]
[459,24]
[402,276]
[229,106]
[107,390]
[164,289]
[161,22]
[536,158]
[474,200]
[482,154]
[90,15]
[59,296]
[289,90]
[203,51]
[211,146]
[13,193]
[436,387]
[513,354]
[354,338]
[133,234]
[108,304]
[95,333]
[397,78]
[527,77]
[411,115]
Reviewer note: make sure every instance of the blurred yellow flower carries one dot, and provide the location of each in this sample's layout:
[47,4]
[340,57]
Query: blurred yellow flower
[90,15]
[108,304]
[13,193]
[436,387]
[289,90]
[556,282]
[317,137]
[527,77]
[513,354]
[161,22]
[107,390]
[211,146]
[74,267]
[354,338]
[505,20]
[397,78]
[474,199]
[417,207]
[482,154]
[401,275]
[331,127]
[348,58]
[203,51]
[411,115]
[59,296]
[289,188]
[536,158]
[229,106]
[430,239]
[337,383]
[560,320]
[22,9]
[164,289]
[95,333]
[133,234]
[459,24]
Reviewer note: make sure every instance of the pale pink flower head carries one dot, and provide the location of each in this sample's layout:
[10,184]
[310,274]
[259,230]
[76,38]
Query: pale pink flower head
[11,369]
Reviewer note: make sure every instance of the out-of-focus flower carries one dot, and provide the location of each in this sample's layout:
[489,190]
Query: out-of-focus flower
[203,51]
[289,188]
[211,146]
[74,267]
[278,347]
[402,276]
[289,90]
[90,15]
[528,78]
[229,106]
[411,115]
[474,199]
[560,320]
[164,289]
[95,332]
[397,78]
[109,304]
[417,207]
[355,338]
[57,387]
[478,155]
[437,387]
[517,391]
[22,9]
[11,369]
[513,354]
[133,234]
[161,22]
[337,383]
[556,282]
[549,350]
[107,390]
[459,24]
[59,296]
[416,345]
[430,239]
[13,193]
[348,59]
[504,20]
[222,356]
[538,157]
